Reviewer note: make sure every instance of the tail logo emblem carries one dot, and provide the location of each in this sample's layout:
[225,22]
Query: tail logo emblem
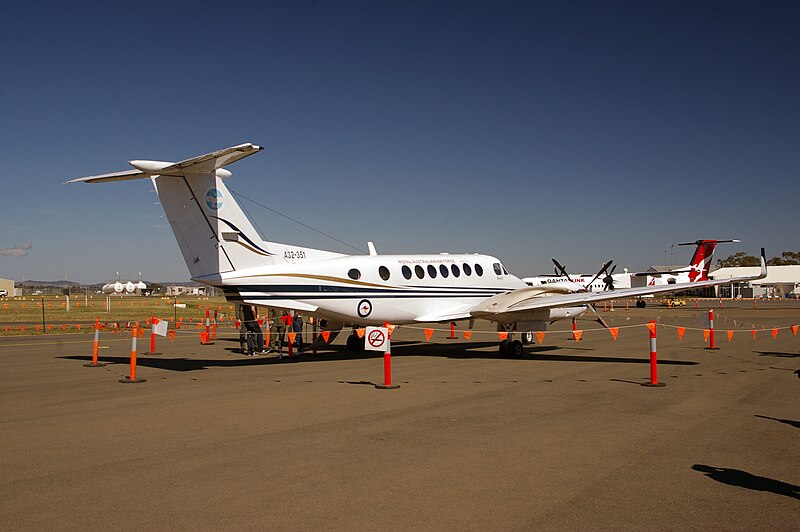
[214,199]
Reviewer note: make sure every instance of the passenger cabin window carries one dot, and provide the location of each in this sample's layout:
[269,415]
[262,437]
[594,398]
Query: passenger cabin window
[444,271]
[456,271]
[406,272]
[467,269]
[354,274]
[497,268]
[419,271]
[432,271]
[383,271]
[478,270]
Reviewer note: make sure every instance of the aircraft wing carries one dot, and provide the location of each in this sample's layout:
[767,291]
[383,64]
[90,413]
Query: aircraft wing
[519,301]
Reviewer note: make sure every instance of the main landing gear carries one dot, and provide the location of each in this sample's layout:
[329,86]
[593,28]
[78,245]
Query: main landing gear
[511,348]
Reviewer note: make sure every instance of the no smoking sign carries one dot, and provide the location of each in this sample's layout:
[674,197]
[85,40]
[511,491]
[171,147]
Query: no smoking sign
[377,339]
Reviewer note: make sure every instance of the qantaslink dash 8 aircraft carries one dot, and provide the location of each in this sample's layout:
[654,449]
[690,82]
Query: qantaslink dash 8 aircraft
[222,249]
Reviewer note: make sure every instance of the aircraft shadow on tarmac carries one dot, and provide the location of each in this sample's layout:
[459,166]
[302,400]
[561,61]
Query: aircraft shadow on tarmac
[401,348]
[743,479]
[777,354]
[790,422]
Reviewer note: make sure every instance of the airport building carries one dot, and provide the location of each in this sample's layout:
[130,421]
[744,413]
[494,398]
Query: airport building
[780,282]
[182,290]
[7,285]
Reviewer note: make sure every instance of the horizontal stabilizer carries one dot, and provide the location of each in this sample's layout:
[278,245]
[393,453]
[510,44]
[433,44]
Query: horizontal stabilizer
[202,164]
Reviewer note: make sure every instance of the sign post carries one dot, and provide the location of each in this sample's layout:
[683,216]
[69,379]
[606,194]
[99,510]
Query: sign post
[377,339]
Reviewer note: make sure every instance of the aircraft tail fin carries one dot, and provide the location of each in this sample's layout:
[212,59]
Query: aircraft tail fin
[701,259]
[213,233]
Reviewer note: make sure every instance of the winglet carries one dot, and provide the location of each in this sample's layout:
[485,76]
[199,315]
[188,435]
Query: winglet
[763,272]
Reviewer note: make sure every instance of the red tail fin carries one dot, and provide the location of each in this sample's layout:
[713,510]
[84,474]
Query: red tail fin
[701,260]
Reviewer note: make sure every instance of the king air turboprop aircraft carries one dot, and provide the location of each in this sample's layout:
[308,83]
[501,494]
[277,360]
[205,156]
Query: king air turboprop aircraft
[222,249]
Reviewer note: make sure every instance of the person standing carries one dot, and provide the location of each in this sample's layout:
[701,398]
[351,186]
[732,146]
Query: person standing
[277,330]
[297,328]
[255,337]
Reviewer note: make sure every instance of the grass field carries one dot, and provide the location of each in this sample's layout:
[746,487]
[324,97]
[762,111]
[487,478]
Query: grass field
[48,314]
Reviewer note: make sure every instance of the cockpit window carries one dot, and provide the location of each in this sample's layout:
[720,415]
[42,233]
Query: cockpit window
[497,268]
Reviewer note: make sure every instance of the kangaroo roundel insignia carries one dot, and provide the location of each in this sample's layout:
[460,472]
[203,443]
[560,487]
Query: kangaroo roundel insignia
[364,308]
[214,199]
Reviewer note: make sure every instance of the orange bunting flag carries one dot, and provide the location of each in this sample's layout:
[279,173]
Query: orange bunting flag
[64,327]
[49,327]
[540,337]
[428,334]
[467,335]
[203,338]
[21,327]
[577,335]
[147,322]
[794,329]
[391,328]
[199,326]
[361,332]
[706,334]
[730,335]
[178,325]
[681,330]
[6,328]
[774,333]
[503,335]
[141,332]
[326,335]
[652,327]
[38,328]
[754,334]
[171,336]
[292,336]
[614,332]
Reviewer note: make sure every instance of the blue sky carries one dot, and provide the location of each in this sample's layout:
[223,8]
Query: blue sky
[584,131]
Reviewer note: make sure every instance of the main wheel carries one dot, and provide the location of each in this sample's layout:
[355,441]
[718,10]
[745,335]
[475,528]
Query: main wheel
[503,348]
[515,349]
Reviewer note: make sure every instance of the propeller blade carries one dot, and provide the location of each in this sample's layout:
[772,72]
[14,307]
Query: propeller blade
[604,268]
[560,269]
[599,320]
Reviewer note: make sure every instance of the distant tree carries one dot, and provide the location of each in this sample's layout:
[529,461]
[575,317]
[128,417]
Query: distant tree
[743,259]
[787,258]
[737,260]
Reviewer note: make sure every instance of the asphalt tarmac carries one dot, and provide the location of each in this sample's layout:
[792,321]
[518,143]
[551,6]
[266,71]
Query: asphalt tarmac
[565,438]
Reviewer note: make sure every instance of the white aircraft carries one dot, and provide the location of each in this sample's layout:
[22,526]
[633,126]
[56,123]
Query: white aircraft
[696,270]
[222,249]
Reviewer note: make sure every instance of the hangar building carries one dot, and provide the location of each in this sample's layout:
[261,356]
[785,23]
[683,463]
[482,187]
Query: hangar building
[780,282]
